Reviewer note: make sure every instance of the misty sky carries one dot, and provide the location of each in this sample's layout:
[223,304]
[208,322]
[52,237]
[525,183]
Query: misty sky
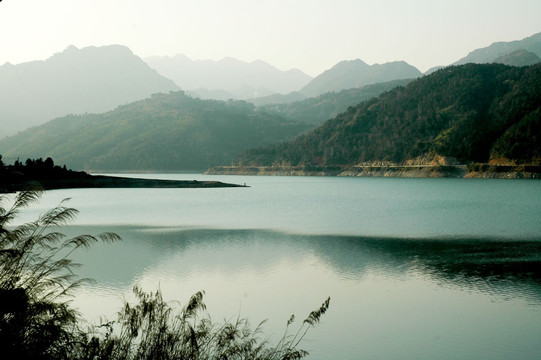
[312,35]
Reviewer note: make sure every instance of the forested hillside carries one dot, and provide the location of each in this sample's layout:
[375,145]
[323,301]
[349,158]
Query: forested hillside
[473,113]
[165,132]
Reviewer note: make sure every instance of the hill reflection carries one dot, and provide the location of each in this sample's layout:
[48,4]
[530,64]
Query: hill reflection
[506,269]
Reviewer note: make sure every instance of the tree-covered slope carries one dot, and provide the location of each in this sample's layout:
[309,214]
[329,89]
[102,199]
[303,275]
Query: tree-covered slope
[473,113]
[165,132]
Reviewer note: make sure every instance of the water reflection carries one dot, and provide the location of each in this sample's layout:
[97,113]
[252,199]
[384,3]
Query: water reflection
[390,298]
[509,268]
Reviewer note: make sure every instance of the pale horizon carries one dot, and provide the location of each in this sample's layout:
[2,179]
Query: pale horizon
[309,35]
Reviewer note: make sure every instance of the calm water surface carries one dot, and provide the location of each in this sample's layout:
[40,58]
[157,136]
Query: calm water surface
[415,268]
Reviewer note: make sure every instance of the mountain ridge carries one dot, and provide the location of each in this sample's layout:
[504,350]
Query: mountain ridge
[349,74]
[500,48]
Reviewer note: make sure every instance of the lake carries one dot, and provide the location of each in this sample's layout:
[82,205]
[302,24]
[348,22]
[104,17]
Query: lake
[415,268]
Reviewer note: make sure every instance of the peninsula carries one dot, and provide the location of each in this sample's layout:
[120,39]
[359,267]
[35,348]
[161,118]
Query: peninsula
[47,176]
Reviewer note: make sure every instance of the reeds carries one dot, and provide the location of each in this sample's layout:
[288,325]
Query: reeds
[152,329]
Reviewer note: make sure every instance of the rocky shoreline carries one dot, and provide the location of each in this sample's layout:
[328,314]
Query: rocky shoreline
[483,171]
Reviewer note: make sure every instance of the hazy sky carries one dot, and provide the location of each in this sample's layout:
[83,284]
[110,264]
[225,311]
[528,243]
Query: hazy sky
[312,35]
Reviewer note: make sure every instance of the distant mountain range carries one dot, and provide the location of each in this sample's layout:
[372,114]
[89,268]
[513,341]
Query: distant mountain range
[346,75]
[471,113]
[499,49]
[91,79]
[227,78]
[516,53]
[261,83]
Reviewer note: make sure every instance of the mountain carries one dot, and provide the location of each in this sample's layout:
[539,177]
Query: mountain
[498,49]
[164,132]
[316,110]
[356,73]
[91,79]
[518,58]
[242,79]
[515,53]
[472,113]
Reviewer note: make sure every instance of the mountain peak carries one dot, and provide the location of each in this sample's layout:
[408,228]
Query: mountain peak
[90,79]
[89,52]
[70,48]
[356,63]
[350,74]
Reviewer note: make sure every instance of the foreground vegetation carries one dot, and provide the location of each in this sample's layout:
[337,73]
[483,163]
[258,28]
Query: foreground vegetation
[38,322]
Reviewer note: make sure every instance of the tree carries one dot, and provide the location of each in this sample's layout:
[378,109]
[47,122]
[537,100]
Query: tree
[49,163]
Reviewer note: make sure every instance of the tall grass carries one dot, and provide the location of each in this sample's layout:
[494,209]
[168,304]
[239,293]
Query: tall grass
[37,322]
[36,279]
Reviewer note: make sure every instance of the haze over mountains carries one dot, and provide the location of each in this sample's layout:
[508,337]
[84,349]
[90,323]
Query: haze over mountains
[176,131]
[235,79]
[92,79]
[228,78]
